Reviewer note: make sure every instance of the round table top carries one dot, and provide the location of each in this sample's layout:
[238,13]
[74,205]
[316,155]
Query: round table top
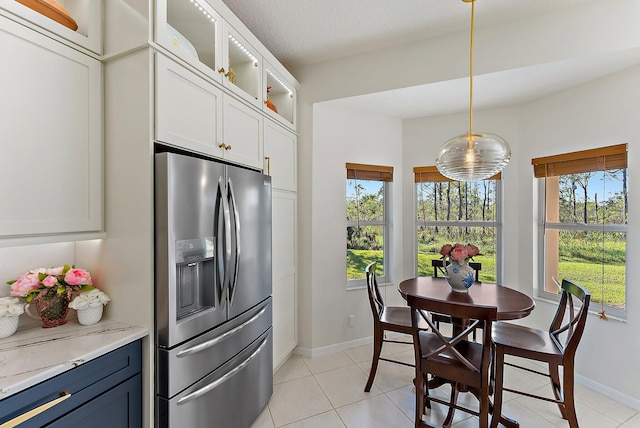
[511,303]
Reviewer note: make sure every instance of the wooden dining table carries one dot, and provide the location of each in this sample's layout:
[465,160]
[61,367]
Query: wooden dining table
[511,304]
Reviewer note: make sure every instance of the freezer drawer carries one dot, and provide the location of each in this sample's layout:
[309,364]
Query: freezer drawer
[232,396]
[183,365]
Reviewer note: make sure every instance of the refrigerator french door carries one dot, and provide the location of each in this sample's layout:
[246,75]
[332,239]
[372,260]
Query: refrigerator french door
[213,288]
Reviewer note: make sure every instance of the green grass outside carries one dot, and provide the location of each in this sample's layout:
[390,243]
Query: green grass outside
[589,275]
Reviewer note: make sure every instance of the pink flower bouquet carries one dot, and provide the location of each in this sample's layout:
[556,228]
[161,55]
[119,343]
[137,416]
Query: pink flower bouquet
[61,280]
[459,252]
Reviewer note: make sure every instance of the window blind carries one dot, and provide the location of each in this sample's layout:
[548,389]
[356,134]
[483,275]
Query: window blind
[430,174]
[604,158]
[360,171]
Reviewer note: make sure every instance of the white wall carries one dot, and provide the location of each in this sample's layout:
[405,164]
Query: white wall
[343,136]
[593,115]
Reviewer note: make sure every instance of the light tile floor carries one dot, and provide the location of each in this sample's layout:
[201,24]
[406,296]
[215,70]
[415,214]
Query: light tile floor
[327,392]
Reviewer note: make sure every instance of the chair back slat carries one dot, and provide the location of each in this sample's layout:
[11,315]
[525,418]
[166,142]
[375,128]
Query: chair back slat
[575,321]
[447,347]
[375,299]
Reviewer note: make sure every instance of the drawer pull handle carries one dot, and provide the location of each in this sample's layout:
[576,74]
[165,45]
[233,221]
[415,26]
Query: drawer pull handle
[213,385]
[34,412]
[209,343]
[268,159]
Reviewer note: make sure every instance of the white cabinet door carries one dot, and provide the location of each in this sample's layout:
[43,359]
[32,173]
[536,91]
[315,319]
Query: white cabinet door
[242,66]
[242,134]
[51,134]
[188,109]
[284,275]
[280,156]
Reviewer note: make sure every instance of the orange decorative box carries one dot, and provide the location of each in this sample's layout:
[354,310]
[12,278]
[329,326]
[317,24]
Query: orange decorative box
[51,9]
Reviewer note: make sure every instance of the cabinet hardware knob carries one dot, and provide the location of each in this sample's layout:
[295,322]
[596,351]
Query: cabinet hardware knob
[222,146]
[221,70]
[228,147]
[34,412]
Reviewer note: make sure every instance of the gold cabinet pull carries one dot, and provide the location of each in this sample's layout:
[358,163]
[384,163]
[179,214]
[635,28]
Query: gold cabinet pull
[222,146]
[34,412]
[268,159]
[228,147]
[221,70]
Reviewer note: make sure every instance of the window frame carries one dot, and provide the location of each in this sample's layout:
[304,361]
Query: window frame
[386,180]
[592,160]
[497,224]
[541,290]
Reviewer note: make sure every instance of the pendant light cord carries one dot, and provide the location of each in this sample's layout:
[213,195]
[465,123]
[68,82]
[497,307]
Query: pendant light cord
[473,3]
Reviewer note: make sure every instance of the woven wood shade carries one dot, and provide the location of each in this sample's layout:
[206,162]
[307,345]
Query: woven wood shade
[430,174]
[360,171]
[605,158]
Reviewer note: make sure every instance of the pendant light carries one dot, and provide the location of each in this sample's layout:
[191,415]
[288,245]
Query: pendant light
[472,156]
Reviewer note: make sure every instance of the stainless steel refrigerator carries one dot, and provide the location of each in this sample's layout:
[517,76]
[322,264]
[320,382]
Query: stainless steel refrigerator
[213,293]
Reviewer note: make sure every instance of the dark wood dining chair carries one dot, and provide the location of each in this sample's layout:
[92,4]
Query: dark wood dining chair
[385,318]
[556,347]
[438,268]
[463,363]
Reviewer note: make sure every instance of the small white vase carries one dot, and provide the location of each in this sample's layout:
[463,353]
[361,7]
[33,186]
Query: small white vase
[8,326]
[460,276]
[90,314]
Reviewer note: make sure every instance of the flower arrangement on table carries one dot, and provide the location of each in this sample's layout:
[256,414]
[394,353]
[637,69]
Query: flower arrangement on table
[458,252]
[52,290]
[458,273]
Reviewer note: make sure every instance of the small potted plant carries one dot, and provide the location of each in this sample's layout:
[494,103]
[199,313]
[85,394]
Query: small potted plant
[89,306]
[10,309]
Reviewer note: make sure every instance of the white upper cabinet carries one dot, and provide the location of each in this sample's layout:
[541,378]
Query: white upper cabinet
[81,25]
[51,134]
[242,133]
[279,96]
[191,30]
[280,156]
[241,66]
[188,109]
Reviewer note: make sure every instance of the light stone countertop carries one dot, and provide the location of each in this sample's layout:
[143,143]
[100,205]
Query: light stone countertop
[36,354]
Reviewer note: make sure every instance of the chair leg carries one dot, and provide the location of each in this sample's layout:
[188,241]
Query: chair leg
[498,369]
[377,348]
[453,399]
[420,397]
[568,391]
[557,388]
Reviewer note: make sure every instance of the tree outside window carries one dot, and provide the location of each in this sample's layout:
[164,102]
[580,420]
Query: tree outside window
[367,220]
[449,212]
[585,211]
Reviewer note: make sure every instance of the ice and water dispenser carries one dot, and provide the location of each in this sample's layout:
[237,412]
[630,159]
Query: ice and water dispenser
[195,276]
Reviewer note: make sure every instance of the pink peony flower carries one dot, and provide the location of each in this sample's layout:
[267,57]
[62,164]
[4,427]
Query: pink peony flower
[49,281]
[446,249]
[459,253]
[27,282]
[77,276]
[472,250]
[54,271]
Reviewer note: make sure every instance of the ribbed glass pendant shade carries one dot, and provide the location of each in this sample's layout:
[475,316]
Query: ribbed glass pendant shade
[473,157]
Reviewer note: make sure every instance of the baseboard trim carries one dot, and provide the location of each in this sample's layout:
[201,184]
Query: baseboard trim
[611,393]
[325,350]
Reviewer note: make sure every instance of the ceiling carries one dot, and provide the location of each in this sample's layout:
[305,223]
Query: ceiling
[304,32]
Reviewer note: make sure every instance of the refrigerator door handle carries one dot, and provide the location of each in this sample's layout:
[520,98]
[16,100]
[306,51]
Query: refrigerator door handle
[213,385]
[209,343]
[234,282]
[223,266]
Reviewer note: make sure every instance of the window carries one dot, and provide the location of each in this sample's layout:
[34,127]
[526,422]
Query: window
[449,212]
[584,207]
[367,221]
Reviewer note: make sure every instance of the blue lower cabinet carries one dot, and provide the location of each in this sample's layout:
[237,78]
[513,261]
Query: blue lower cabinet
[105,392]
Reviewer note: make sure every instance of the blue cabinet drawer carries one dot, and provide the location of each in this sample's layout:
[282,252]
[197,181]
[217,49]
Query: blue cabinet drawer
[84,383]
